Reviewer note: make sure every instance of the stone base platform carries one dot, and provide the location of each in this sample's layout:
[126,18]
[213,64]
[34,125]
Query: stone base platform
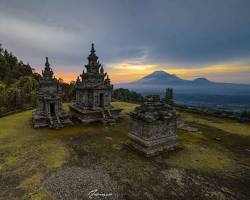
[87,115]
[41,120]
[151,147]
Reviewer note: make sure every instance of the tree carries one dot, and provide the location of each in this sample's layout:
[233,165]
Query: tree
[126,95]
[68,90]
[2,94]
[1,49]
[17,83]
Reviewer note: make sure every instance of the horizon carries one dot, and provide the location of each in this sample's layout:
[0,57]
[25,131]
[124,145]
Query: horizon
[180,38]
[67,77]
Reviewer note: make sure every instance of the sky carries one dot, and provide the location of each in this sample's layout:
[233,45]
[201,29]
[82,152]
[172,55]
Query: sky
[189,38]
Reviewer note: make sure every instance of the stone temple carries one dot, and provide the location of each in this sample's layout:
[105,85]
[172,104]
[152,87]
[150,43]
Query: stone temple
[169,96]
[49,111]
[93,94]
[153,127]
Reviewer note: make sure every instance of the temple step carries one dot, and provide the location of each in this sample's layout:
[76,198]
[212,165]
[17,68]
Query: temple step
[108,118]
[55,122]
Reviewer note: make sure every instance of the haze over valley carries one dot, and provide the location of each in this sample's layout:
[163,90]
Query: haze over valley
[197,92]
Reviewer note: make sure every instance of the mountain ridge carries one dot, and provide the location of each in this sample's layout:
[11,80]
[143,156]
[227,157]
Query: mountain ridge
[158,81]
[172,77]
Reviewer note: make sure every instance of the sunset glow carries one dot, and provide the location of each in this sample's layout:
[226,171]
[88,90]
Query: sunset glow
[124,72]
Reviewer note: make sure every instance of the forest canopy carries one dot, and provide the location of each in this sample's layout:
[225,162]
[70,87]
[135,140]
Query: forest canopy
[17,83]
[127,95]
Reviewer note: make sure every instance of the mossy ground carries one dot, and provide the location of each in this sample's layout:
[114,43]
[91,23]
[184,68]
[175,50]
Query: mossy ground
[202,168]
[227,125]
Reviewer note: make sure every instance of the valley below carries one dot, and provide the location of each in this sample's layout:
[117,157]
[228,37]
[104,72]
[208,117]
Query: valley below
[198,93]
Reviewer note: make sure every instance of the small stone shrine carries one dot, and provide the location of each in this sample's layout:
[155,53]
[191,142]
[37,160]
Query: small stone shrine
[49,111]
[169,96]
[93,94]
[153,128]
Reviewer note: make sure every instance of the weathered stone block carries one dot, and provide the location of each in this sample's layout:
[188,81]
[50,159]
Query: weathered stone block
[153,127]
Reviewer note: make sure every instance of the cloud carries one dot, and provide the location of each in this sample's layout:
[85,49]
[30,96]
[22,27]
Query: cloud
[38,36]
[177,34]
[215,72]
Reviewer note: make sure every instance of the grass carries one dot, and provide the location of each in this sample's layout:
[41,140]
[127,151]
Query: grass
[201,154]
[26,152]
[20,140]
[29,155]
[226,125]
[127,107]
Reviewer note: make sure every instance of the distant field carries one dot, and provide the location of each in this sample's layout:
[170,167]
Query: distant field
[213,163]
[232,103]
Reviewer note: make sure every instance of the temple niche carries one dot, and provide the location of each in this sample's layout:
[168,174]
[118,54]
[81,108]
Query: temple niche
[93,94]
[49,112]
[153,127]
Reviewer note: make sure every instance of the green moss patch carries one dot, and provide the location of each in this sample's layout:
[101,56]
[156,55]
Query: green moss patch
[127,107]
[194,156]
[25,152]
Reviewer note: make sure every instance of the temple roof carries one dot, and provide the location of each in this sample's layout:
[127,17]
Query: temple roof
[94,77]
[92,56]
[47,65]
[47,72]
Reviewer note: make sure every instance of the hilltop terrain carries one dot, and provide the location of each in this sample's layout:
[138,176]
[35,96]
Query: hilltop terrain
[212,163]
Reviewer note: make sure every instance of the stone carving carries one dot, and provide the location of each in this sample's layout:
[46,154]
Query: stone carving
[93,94]
[153,126]
[49,112]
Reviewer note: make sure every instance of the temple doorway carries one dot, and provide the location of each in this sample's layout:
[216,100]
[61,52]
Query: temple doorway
[52,109]
[101,100]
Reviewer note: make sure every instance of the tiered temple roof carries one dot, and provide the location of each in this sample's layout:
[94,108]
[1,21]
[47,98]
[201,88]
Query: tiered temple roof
[94,76]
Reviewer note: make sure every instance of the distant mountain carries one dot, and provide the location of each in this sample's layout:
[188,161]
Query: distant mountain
[158,81]
[158,77]
[163,78]
[202,81]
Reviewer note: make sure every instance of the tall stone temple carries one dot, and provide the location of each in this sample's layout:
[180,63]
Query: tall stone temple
[93,94]
[49,111]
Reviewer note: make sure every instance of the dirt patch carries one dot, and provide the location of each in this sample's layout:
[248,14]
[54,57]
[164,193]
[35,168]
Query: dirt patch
[30,182]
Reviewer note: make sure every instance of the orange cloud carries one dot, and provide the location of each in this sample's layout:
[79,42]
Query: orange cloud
[124,72]
[129,71]
[67,76]
[223,69]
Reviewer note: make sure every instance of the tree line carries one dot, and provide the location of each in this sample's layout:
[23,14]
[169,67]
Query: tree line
[127,95]
[17,83]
